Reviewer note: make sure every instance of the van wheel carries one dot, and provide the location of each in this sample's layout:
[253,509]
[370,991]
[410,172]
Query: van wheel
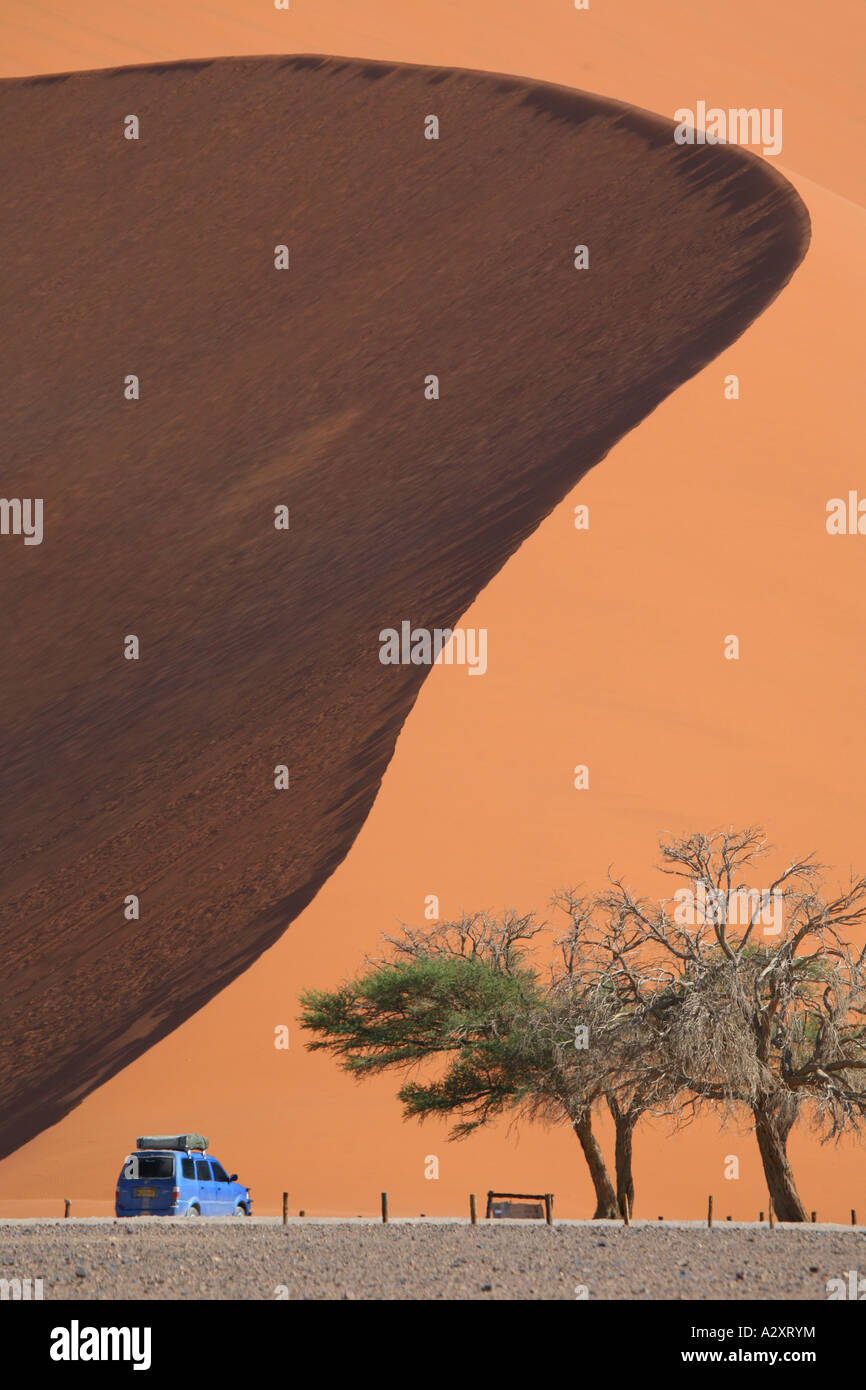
[240,1210]
[193,1211]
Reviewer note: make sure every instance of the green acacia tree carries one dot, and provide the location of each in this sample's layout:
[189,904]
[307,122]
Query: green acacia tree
[507,1036]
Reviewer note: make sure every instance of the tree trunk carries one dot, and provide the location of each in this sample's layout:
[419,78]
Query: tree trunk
[605,1197]
[624,1181]
[773,1122]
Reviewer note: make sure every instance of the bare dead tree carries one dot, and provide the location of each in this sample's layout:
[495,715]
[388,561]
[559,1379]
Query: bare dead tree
[606,971]
[764,1007]
[499,942]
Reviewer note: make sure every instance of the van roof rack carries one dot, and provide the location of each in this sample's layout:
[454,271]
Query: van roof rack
[172,1141]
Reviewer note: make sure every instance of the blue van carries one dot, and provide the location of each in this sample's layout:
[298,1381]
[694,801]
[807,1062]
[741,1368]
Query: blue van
[175,1176]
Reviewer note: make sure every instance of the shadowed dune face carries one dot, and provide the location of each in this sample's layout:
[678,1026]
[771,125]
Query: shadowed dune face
[302,388]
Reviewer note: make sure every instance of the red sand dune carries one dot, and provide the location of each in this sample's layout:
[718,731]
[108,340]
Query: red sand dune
[305,388]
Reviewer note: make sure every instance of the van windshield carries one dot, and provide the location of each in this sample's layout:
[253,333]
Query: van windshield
[156,1165]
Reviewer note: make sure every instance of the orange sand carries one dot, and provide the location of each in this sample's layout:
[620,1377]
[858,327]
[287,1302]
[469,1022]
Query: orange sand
[605,647]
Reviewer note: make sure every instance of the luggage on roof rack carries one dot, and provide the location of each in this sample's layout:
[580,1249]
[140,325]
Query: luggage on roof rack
[172,1141]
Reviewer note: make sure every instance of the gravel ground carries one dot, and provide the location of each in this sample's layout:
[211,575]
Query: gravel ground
[164,1258]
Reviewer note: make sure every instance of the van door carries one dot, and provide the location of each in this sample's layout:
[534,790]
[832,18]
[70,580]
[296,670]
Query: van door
[206,1198]
[150,1182]
[187,1183]
[222,1189]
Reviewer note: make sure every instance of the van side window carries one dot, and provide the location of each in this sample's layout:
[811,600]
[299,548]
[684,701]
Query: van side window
[187,1167]
[202,1170]
[219,1172]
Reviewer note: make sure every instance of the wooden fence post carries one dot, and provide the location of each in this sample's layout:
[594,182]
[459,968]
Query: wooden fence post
[66,1205]
[385,1208]
[473,1212]
[548,1208]
[710,1210]
[489,1206]
[625,1212]
[285,1207]
[772,1215]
